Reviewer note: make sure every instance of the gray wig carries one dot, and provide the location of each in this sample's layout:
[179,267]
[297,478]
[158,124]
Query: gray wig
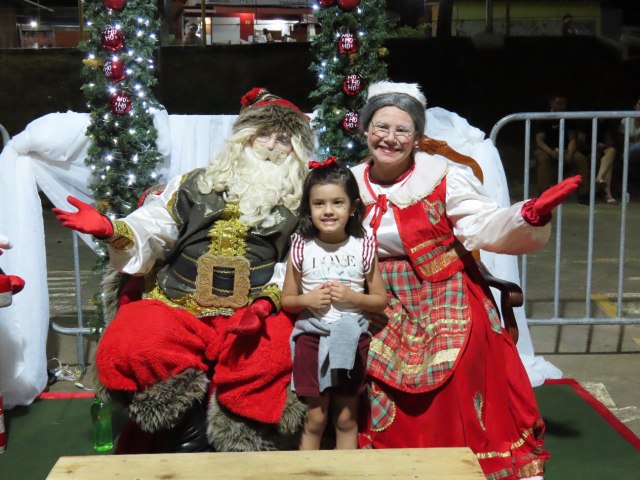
[402,101]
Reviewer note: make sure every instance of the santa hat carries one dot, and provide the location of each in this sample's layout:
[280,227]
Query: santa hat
[385,87]
[265,111]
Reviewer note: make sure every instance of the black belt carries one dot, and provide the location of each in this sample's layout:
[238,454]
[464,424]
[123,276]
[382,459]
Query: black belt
[218,276]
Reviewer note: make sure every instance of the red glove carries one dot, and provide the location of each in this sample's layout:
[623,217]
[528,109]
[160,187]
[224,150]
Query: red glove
[253,317]
[86,220]
[537,211]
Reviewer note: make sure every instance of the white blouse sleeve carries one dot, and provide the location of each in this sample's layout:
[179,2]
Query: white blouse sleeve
[480,224]
[155,233]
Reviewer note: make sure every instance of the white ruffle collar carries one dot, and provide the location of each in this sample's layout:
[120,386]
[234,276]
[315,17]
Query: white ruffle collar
[427,175]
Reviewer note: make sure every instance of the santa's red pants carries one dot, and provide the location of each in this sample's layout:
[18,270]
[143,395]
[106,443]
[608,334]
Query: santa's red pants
[149,342]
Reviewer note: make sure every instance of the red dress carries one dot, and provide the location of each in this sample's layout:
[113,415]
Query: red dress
[444,373]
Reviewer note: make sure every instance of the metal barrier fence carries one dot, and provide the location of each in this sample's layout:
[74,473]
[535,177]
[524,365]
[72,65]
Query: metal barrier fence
[589,318]
[80,330]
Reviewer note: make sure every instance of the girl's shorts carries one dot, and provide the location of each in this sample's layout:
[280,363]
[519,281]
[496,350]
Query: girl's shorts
[351,383]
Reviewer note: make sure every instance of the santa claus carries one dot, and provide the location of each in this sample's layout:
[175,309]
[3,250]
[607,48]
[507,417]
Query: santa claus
[203,358]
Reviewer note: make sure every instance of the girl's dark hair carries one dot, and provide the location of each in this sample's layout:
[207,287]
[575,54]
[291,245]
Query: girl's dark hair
[337,174]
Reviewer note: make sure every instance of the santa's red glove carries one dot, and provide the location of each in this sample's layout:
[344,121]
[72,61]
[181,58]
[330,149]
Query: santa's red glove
[253,318]
[537,211]
[86,220]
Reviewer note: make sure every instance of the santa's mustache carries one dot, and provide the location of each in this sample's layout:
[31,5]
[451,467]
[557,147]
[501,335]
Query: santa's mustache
[274,156]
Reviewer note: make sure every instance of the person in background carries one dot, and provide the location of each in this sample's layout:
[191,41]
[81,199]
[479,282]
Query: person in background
[568,27]
[332,280]
[190,37]
[262,37]
[606,153]
[634,136]
[444,372]
[547,150]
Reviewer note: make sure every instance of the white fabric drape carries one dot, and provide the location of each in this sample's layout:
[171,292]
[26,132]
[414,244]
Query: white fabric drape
[49,154]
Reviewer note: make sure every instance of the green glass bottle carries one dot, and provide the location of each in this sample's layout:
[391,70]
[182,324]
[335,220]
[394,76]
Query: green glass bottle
[102,434]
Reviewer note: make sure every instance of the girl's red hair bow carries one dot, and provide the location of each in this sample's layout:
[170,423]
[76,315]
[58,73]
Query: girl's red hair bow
[329,160]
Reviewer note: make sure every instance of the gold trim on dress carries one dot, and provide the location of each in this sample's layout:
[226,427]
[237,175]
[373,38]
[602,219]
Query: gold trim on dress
[443,261]
[478,404]
[444,356]
[431,242]
[392,411]
[389,354]
[517,444]
[535,467]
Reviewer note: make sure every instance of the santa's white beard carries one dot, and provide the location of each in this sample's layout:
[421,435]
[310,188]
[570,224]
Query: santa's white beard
[258,185]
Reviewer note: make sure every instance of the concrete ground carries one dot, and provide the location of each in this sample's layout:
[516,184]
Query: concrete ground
[604,358]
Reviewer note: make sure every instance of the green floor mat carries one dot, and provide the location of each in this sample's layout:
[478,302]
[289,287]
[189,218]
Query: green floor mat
[584,444]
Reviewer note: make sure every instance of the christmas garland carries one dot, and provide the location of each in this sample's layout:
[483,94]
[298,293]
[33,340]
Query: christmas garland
[348,55]
[118,74]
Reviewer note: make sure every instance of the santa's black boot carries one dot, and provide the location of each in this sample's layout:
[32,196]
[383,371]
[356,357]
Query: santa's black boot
[190,434]
[175,410]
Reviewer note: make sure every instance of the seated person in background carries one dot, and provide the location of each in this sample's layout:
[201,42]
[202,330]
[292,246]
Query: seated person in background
[634,136]
[547,152]
[568,27]
[605,154]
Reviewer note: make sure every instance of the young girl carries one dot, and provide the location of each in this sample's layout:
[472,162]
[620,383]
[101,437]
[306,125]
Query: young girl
[332,278]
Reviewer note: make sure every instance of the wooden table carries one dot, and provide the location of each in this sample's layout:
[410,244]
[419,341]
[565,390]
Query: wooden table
[409,463]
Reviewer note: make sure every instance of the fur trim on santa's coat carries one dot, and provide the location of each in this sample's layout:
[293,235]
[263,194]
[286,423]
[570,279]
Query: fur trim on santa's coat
[163,404]
[228,432]
[111,286]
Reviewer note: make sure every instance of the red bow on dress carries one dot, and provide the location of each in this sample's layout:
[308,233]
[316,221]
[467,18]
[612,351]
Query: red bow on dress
[330,160]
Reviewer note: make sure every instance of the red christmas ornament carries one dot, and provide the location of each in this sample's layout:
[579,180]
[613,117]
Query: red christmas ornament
[115,4]
[348,43]
[351,122]
[348,5]
[114,70]
[352,84]
[120,103]
[112,39]
[327,3]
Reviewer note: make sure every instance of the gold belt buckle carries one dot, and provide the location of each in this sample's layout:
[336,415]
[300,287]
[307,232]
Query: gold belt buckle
[204,281]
